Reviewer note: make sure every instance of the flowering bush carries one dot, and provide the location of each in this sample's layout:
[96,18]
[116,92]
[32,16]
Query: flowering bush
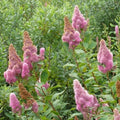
[90,74]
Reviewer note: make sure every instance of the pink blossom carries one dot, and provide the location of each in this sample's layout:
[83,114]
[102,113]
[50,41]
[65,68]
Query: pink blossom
[34,58]
[15,66]
[116,114]
[30,51]
[70,36]
[30,47]
[42,53]
[105,58]
[17,69]
[27,54]
[73,39]
[85,103]
[25,70]
[103,104]
[46,85]
[15,104]
[27,60]
[45,4]
[117,30]
[78,20]
[10,76]
[35,107]
[37,91]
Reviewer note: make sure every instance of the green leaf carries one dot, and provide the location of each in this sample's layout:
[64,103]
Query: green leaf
[48,98]
[112,83]
[68,65]
[73,74]
[55,112]
[44,76]
[9,115]
[56,95]
[78,51]
[75,114]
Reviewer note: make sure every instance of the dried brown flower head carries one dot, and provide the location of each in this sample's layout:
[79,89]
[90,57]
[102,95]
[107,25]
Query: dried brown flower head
[67,25]
[24,94]
[75,118]
[118,88]
[27,42]
[14,59]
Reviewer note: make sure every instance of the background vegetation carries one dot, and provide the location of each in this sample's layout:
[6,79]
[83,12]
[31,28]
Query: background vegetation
[43,19]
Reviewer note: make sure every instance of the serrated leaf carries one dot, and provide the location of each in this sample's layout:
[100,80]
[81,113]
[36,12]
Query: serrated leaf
[55,112]
[68,65]
[56,95]
[44,76]
[75,114]
[112,83]
[48,98]
[73,74]
[9,115]
[78,51]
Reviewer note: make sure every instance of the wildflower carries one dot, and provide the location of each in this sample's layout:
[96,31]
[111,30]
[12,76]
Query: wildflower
[104,104]
[118,90]
[24,93]
[70,36]
[117,30]
[42,53]
[25,70]
[28,97]
[46,85]
[105,58]
[116,114]
[35,107]
[85,103]
[15,66]
[9,76]
[14,59]
[15,104]
[30,51]
[78,20]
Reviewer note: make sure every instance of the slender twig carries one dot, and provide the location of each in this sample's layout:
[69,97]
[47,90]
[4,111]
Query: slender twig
[110,87]
[91,68]
[78,68]
[49,57]
[51,104]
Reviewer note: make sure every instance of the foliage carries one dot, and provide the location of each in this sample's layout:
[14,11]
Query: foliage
[44,21]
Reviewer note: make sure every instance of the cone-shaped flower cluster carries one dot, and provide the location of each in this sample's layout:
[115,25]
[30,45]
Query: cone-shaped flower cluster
[28,97]
[86,104]
[105,58]
[30,54]
[116,114]
[25,70]
[15,104]
[15,66]
[35,107]
[70,36]
[78,20]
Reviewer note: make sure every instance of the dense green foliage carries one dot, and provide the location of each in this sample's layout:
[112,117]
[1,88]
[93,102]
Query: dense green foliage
[45,24]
